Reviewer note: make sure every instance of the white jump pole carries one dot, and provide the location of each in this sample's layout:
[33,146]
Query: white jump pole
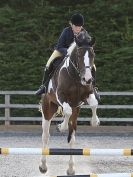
[54,151]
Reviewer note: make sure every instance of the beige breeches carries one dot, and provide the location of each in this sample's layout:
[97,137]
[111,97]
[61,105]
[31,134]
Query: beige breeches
[52,57]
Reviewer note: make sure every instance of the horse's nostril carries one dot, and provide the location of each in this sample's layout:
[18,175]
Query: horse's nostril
[89,81]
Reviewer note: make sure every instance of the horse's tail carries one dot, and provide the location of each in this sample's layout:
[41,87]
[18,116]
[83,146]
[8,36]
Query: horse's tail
[40,106]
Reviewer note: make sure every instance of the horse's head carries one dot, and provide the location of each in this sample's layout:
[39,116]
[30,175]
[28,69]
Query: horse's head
[83,39]
[84,55]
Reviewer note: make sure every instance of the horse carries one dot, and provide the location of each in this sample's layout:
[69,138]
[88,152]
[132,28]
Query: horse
[70,87]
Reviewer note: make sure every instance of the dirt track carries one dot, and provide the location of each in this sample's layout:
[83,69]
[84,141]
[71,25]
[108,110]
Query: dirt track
[80,129]
[30,136]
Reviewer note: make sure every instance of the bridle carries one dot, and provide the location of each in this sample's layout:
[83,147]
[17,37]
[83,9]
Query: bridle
[76,65]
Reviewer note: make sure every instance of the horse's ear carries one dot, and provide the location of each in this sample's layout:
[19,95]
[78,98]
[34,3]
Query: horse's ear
[93,41]
[78,39]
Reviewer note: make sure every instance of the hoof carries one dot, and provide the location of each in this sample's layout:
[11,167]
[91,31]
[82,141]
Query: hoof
[72,172]
[57,128]
[60,129]
[95,123]
[42,170]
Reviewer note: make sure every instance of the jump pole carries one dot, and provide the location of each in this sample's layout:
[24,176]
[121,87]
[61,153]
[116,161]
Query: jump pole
[101,175]
[52,151]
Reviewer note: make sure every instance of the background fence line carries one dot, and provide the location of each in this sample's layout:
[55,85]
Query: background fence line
[8,105]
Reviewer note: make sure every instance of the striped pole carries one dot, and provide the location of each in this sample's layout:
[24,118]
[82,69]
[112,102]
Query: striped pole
[101,175]
[84,151]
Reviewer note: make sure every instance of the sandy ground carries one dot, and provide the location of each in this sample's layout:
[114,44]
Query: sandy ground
[30,136]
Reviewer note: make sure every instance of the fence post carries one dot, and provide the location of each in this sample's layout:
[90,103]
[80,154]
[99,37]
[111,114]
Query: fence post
[7,110]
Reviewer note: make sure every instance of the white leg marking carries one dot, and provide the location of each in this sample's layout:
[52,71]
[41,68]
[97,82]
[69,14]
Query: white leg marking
[45,138]
[71,170]
[95,120]
[67,111]
[92,101]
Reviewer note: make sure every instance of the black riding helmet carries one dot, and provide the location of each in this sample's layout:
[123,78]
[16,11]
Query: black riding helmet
[77,19]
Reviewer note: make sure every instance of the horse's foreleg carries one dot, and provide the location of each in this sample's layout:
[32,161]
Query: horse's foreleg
[95,120]
[67,111]
[45,138]
[92,101]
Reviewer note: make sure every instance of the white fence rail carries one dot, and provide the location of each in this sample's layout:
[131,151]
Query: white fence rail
[8,105]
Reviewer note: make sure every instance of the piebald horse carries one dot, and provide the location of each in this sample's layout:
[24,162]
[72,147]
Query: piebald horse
[70,87]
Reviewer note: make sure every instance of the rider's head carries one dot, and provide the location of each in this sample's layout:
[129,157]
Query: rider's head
[77,21]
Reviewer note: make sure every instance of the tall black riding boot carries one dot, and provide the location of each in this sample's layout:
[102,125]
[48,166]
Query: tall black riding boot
[43,88]
[93,72]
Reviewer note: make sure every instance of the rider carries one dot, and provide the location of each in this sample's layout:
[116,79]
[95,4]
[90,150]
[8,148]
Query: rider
[65,40]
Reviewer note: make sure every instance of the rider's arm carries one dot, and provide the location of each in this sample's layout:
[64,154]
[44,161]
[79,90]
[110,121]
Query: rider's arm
[62,42]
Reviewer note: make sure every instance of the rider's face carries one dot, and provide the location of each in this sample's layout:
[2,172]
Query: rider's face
[76,29]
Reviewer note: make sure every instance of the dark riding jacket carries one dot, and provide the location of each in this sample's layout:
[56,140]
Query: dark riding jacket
[65,40]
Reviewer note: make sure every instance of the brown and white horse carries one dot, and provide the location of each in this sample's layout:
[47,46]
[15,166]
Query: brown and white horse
[70,87]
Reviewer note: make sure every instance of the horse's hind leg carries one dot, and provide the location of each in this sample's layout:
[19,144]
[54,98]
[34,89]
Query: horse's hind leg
[71,138]
[48,110]
[45,138]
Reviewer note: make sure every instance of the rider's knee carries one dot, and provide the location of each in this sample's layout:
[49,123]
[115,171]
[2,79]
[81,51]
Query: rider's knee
[54,55]
[94,67]
[63,51]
